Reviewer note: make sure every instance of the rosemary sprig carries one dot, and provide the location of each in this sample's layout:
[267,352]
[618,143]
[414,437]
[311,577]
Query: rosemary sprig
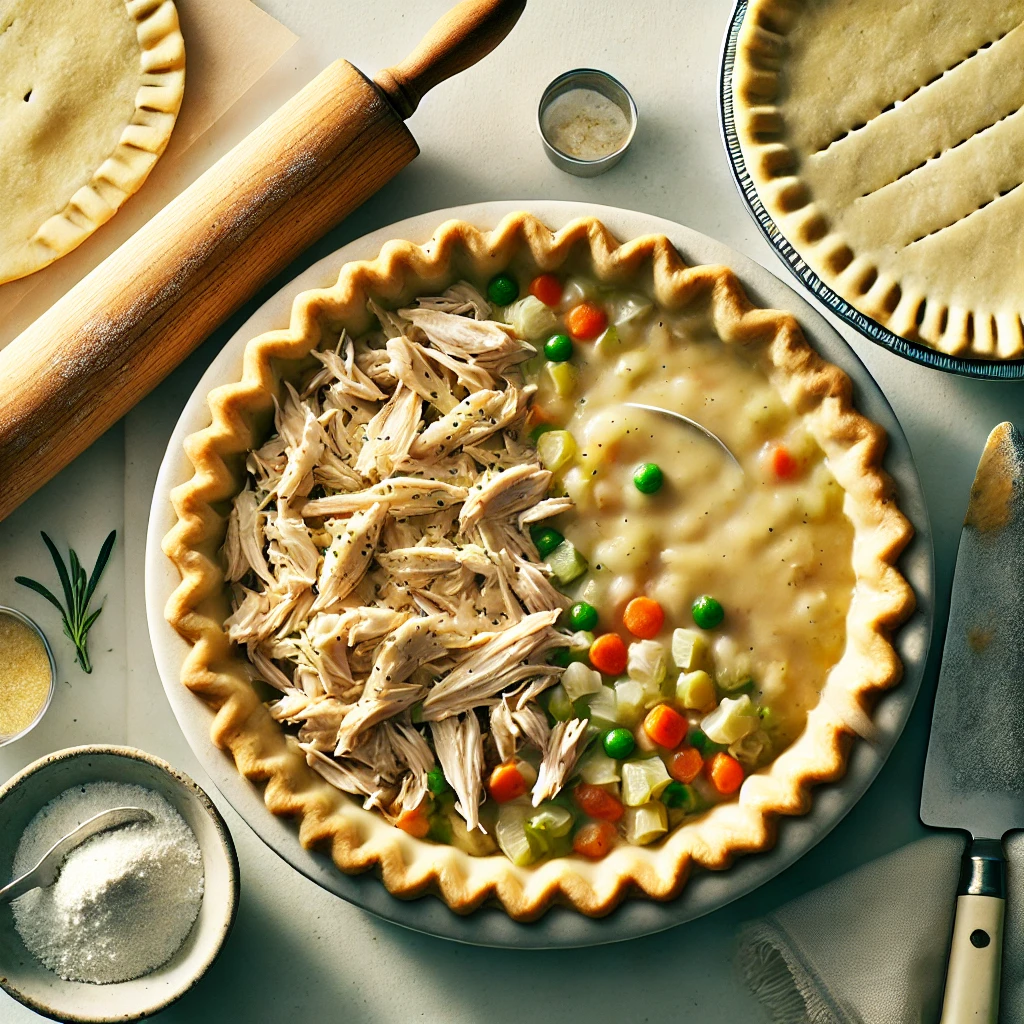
[78,593]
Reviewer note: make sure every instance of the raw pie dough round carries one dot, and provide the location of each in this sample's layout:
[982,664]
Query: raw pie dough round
[887,143]
[89,92]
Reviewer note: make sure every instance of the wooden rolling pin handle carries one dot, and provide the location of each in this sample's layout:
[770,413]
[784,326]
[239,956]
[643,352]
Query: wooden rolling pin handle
[463,36]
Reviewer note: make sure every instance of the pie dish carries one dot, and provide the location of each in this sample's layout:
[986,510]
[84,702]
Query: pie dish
[89,93]
[897,169]
[710,298]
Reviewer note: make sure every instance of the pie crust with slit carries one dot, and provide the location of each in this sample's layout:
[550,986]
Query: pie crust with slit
[241,415]
[89,93]
[887,143]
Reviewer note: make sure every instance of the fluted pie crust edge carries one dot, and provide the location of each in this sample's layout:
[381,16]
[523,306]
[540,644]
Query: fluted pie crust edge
[360,840]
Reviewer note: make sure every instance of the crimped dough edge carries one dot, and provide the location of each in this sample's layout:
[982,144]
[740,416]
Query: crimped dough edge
[145,137]
[360,840]
[929,320]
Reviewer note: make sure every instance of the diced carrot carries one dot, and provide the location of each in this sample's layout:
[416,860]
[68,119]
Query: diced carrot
[586,321]
[414,821]
[643,617]
[725,772]
[608,654]
[685,765]
[506,782]
[783,465]
[594,839]
[665,726]
[547,288]
[597,802]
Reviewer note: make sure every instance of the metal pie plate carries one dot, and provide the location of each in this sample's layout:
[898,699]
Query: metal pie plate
[559,927]
[985,369]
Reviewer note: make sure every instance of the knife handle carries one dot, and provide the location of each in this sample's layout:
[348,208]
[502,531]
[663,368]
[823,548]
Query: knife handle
[976,952]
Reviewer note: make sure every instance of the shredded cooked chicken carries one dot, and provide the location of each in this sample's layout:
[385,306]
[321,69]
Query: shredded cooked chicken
[385,583]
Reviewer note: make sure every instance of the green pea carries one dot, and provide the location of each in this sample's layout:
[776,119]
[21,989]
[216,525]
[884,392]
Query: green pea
[545,540]
[502,289]
[436,782]
[583,616]
[675,794]
[558,348]
[619,743]
[648,478]
[707,612]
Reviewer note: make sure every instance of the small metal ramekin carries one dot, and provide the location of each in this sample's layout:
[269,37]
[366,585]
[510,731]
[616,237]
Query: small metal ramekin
[599,81]
[23,618]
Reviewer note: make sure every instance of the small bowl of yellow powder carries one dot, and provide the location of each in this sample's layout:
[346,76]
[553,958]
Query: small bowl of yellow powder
[586,121]
[27,675]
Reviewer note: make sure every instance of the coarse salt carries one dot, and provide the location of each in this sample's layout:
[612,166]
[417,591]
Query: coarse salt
[125,901]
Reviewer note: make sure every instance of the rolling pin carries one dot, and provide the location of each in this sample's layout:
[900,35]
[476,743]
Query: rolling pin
[111,339]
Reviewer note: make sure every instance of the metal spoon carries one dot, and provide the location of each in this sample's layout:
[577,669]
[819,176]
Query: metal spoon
[657,409]
[46,871]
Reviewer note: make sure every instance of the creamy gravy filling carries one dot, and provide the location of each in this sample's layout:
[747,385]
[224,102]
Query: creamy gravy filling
[776,554]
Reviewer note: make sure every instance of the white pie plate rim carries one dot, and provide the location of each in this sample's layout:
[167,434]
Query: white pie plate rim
[559,927]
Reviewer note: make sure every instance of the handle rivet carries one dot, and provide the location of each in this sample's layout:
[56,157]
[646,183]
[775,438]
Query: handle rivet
[980,938]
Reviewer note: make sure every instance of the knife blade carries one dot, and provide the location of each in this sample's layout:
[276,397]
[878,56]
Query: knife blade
[974,770]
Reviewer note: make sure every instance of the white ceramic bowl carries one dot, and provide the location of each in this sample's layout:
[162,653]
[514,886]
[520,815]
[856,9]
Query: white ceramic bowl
[25,978]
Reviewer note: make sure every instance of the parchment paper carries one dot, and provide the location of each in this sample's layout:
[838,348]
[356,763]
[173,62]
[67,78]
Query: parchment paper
[229,46]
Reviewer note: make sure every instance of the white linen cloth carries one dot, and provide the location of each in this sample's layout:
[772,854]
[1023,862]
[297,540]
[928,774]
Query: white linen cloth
[871,946]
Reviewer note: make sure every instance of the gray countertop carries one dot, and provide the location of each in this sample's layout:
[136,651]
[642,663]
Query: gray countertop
[297,950]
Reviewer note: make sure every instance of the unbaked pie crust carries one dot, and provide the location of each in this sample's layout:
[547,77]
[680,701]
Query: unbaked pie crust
[89,93]
[887,143]
[358,839]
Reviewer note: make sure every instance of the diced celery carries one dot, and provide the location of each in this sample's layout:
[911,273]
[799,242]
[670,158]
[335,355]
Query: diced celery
[566,562]
[731,720]
[689,649]
[555,448]
[643,780]
[562,377]
[510,832]
[645,824]
[603,706]
[608,343]
[578,680]
[530,318]
[647,663]
[599,769]
[695,690]
[559,706]
[629,701]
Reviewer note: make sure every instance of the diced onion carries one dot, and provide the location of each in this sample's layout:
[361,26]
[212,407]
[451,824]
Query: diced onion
[731,720]
[645,824]
[647,663]
[510,833]
[530,318]
[689,649]
[629,701]
[599,769]
[555,448]
[643,780]
[695,690]
[579,680]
